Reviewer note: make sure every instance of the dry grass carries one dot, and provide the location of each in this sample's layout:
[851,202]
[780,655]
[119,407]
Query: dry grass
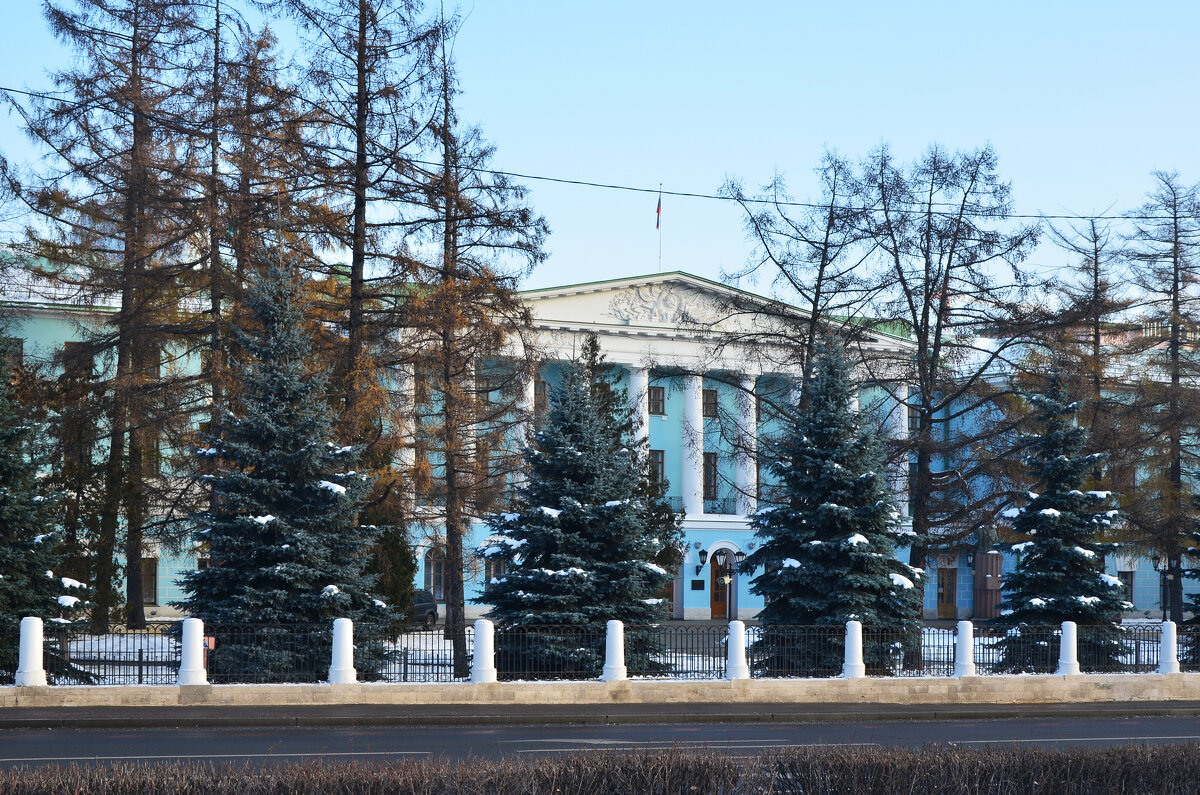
[1127,769]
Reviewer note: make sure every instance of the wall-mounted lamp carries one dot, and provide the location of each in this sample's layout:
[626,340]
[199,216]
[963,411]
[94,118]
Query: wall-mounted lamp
[970,560]
[739,557]
[703,556]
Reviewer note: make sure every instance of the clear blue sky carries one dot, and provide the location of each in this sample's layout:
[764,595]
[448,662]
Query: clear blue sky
[1080,100]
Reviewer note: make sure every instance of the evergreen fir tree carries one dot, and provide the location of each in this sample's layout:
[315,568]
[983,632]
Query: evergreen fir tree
[1060,570]
[827,550]
[29,562]
[284,546]
[612,399]
[579,548]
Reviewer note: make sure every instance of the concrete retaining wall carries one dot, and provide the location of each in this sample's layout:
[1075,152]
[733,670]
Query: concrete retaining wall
[1031,689]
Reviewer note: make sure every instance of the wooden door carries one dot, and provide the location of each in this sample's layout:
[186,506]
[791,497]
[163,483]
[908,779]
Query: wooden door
[947,593]
[717,594]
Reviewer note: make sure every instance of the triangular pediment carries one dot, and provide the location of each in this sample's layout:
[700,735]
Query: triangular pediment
[662,301]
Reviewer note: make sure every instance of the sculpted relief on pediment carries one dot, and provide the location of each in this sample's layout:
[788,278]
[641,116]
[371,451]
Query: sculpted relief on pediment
[662,304]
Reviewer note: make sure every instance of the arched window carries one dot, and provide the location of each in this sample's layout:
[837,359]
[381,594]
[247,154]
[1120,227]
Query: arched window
[435,573]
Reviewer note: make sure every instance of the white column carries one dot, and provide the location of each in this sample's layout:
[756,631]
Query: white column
[1068,652]
[483,662]
[526,404]
[900,432]
[964,650]
[614,653]
[735,659]
[191,663]
[747,474]
[30,670]
[406,456]
[639,398]
[854,667]
[341,664]
[691,478]
[1168,650]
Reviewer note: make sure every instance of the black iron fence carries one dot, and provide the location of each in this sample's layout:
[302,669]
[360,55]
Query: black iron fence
[795,651]
[1024,649]
[676,651]
[1189,649]
[264,653]
[549,652]
[412,655]
[74,654]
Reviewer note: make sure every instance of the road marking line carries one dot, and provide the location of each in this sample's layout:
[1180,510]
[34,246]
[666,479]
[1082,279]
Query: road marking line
[1077,739]
[266,755]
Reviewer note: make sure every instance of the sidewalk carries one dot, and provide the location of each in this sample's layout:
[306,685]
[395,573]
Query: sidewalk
[525,714]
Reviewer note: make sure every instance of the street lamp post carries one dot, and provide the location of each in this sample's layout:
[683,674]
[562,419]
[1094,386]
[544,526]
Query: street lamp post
[728,568]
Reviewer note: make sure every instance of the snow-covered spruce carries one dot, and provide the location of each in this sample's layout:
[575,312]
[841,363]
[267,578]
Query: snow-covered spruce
[282,536]
[580,548]
[827,549]
[1056,535]
[28,553]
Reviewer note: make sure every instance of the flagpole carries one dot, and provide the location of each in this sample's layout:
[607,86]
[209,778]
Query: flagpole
[658,224]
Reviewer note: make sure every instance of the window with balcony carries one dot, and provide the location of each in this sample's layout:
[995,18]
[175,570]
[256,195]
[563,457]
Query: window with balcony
[150,581]
[710,476]
[1126,578]
[494,570]
[435,573]
[708,403]
[657,460]
[541,400]
[656,397]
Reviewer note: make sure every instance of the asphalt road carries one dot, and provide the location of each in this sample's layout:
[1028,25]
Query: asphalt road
[383,743]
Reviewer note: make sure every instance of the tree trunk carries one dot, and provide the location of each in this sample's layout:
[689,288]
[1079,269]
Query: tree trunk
[358,254]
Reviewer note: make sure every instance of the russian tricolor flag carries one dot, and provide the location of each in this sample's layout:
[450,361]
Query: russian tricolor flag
[658,213]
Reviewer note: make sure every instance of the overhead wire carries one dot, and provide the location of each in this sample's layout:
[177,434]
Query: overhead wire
[913,208]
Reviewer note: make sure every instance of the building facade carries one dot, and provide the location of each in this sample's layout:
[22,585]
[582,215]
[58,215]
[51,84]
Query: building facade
[701,382]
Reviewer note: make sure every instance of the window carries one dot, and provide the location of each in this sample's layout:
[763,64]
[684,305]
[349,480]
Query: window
[203,562]
[540,397]
[1126,578]
[914,421]
[758,408]
[435,573]
[657,398]
[710,476]
[149,581]
[656,467]
[708,403]
[494,570]
[14,349]
[77,360]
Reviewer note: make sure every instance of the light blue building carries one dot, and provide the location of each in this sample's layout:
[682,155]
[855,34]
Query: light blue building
[703,403]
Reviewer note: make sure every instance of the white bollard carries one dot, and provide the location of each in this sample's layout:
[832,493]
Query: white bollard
[614,653]
[483,662]
[854,667]
[735,655]
[1068,651]
[191,664]
[964,649]
[341,664]
[30,671]
[1168,650]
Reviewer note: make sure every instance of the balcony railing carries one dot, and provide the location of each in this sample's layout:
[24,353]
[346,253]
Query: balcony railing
[726,505]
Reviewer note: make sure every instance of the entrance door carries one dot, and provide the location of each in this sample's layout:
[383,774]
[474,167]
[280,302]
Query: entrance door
[717,594]
[947,593]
